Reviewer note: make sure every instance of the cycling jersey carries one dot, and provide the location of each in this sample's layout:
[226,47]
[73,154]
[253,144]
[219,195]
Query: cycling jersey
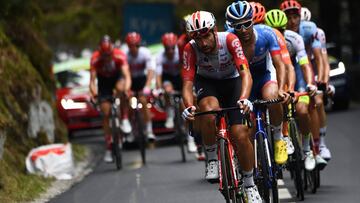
[296,47]
[308,29]
[182,41]
[140,63]
[282,43]
[108,69]
[164,65]
[222,65]
[320,35]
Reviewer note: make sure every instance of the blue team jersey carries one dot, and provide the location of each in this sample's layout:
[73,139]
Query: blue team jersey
[308,29]
[266,43]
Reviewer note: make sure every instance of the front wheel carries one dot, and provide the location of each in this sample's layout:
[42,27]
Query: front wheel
[180,132]
[117,142]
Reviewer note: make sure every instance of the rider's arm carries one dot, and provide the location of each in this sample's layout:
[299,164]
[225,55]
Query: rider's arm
[319,63]
[158,71]
[280,70]
[188,74]
[150,67]
[92,84]
[291,78]
[126,73]
[121,61]
[303,59]
[235,48]
[326,66]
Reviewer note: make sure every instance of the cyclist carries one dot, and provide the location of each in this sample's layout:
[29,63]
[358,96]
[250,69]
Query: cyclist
[295,44]
[307,30]
[320,35]
[263,52]
[216,63]
[142,68]
[109,66]
[258,17]
[168,77]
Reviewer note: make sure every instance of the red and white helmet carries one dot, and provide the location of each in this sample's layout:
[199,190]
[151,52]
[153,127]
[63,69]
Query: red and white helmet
[200,23]
[133,38]
[305,14]
[169,39]
[290,5]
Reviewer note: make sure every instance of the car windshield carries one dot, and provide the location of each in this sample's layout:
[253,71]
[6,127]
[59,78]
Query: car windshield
[71,79]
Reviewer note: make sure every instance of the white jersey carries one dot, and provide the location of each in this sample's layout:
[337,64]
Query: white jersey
[320,35]
[295,45]
[217,66]
[141,63]
[167,66]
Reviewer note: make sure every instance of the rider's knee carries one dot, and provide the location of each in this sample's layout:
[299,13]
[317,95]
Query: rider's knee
[302,109]
[241,133]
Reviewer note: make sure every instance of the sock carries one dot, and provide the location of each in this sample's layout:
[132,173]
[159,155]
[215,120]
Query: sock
[108,141]
[170,112]
[149,126]
[322,136]
[316,143]
[248,178]
[278,132]
[306,145]
[211,152]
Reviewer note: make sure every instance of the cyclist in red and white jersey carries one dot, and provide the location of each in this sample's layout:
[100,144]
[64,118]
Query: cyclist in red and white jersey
[109,66]
[215,63]
[142,69]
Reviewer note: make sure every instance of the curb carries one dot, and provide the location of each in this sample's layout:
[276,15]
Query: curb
[82,169]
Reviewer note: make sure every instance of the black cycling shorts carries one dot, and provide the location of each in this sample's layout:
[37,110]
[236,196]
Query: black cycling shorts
[106,86]
[176,81]
[227,92]
[138,83]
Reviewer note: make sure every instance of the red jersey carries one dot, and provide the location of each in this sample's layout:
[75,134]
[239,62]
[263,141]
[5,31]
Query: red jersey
[112,67]
[225,64]
[182,41]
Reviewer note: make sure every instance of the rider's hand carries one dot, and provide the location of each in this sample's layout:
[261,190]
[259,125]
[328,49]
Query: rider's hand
[284,95]
[312,89]
[146,90]
[188,113]
[330,90]
[157,92]
[245,105]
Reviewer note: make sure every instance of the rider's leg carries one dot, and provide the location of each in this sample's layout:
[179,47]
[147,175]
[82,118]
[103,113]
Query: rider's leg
[170,111]
[124,106]
[315,120]
[147,117]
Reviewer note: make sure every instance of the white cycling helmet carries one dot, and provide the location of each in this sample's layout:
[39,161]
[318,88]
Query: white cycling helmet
[200,22]
[305,14]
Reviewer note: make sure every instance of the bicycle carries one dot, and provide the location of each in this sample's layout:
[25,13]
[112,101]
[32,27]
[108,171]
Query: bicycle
[137,123]
[175,101]
[265,167]
[230,178]
[295,163]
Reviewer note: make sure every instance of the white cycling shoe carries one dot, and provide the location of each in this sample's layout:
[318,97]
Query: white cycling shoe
[191,146]
[310,162]
[108,156]
[253,195]
[212,171]
[150,136]
[320,162]
[289,145]
[325,153]
[125,126]
[169,123]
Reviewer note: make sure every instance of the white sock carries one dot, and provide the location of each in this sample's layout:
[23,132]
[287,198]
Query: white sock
[170,111]
[322,136]
[278,132]
[211,152]
[306,144]
[323,130]
[149,126]
[248,178]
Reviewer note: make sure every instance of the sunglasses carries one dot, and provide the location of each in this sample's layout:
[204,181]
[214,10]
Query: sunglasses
[199,33]
[170,48]
[243,25]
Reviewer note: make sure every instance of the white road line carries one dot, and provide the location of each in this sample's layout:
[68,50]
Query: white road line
[284,193]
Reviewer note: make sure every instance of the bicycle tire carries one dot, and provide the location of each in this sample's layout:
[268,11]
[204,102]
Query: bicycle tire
[180,132]
[317,183]
[296,160]
[225,190]
[309,179]
[140,135]
[116,142]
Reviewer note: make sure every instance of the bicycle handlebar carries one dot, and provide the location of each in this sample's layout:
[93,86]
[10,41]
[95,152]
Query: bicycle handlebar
[267,102]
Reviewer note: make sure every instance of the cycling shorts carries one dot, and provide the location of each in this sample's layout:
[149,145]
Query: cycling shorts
[138,83]
[176,81]
[259,81]
[227,92]
[106,86]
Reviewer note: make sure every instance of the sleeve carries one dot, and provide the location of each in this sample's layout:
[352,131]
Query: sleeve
[159,67]
[93,61]
[120,58]
[301,54]
[284,51]
[320,35]
[189,60]
[272,41]
[235,48]
[150,61]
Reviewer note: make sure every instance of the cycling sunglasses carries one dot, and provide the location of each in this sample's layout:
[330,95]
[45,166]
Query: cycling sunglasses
[199,33]
[243,25]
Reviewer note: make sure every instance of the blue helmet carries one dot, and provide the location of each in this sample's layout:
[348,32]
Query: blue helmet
[237,11]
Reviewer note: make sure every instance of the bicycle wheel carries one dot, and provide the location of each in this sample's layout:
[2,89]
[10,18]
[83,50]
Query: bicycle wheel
[140,135]
[317,183]
[310,180]
[117,143]
[296,160]
[180,132]
[265,179]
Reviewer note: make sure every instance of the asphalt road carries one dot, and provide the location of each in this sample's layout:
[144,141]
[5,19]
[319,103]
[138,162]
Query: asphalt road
[166,180]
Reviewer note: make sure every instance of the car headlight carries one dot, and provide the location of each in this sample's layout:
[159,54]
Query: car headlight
[339,70]
[70,104]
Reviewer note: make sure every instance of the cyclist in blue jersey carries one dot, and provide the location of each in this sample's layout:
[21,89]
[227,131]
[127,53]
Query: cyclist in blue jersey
[320,35]
[263,53]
